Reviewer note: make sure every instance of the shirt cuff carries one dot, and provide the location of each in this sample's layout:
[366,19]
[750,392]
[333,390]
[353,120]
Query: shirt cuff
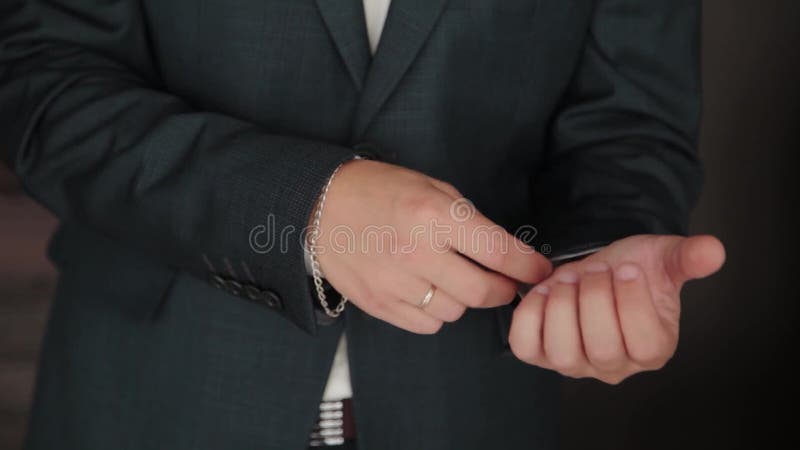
[307,257]
[574,256]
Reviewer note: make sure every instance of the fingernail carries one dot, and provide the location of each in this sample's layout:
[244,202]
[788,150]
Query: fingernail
[627,272]
[541,289]
[596,267]
[568,277]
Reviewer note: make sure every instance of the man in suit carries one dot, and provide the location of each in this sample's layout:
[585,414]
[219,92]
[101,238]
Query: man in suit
[186,145]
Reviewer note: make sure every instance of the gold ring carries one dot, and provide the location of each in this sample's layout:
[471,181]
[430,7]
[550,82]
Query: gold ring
[428,297]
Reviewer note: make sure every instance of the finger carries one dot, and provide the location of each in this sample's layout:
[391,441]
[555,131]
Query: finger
[525,336]
[562,339]
[440,306]
[444,308]
[478,238]
[645,337]
[402,315]
[602,337]
[694,257]
[465,282]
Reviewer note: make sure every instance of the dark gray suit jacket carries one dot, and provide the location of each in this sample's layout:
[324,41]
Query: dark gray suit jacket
[162,132]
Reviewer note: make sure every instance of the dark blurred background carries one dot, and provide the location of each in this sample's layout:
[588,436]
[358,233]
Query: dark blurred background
[729,386]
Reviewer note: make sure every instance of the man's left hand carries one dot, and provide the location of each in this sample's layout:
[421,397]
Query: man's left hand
[616,312]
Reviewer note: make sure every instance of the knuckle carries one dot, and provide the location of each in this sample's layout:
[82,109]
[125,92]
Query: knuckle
[432,327]
[506,291]
[644,355]
[568,274]
[651,353]
[448,186]
[605,356]
[473,300]
[658,364]
[572,373]
[614,379]
[528,314]
[455,313]
[565,362]
[525,351]
[479,294]
[423,206]
[506,299]
[559,271]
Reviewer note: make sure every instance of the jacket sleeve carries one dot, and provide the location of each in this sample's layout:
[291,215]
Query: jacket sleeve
[622,156]
[93,137]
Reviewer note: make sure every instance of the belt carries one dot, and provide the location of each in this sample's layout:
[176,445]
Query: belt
[335,424]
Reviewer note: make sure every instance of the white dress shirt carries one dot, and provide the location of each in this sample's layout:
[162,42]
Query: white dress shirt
[338,386]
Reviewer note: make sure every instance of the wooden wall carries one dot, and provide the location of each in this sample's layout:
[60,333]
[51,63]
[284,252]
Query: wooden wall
[26,285]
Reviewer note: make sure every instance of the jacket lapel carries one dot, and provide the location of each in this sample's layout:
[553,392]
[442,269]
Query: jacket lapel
[345,22]
[406,30]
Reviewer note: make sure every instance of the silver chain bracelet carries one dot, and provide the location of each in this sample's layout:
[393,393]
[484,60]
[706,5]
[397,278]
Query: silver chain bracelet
[316,271]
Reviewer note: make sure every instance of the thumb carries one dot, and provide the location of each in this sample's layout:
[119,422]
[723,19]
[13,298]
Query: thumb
[690,258]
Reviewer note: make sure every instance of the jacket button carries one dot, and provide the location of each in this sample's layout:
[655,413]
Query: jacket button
[252,292]
[218,282]
[271,299]
[367,150]
[234,287]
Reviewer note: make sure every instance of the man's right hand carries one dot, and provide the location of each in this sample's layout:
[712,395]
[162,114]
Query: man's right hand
[387,234]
